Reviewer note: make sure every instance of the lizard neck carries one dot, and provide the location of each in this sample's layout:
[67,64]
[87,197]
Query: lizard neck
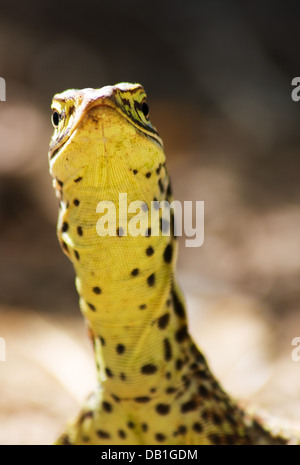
[135,313]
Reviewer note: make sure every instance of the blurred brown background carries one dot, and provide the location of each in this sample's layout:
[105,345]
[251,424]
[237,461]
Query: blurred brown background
[218,77]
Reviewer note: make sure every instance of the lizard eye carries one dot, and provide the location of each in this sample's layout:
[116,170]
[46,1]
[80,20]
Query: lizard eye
[55,118]
[145,109]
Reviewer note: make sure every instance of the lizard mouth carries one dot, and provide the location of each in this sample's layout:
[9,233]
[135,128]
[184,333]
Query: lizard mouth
[55,152]
[60,141]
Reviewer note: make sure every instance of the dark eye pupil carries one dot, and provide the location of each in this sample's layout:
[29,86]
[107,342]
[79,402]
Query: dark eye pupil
[145,109]
[55,118]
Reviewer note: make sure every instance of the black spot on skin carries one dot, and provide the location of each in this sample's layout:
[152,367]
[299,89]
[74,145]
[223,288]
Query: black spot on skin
[193,366]
[182,334]
[203,391]
[204,415]
[158,169]
[163,321]
[102,340]
[217,420]
[148,175]
[109,373]
[151,280]
[149,251]
[168,253]
[120,349]
[182,430]
[142,399]
[120,231]
[230,418]
[135,172]
[107,407]
[161,186]
[79,231]
[103,434]
[64,227]
[142,306]
[96,290]
[135,272]
[188,406]
[199,357]
[178,306]
[197,427]
[162,409]
[116,398]
[149,369]
[215,439]
[78,179]
[168,375]
[64,246]
[171,390]
[123,376]
[160,437]
[153,390]
[144,427]
[76,255]
[169,190]
[121,434]
[130,425]
[167,350]
[179,364]
[76,202]
[60,183]
[91,307]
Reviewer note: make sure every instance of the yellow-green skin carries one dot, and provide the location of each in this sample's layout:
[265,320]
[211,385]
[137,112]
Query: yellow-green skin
[154,385]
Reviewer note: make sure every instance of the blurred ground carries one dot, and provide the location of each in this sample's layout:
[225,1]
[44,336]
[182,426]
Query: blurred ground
[219,82]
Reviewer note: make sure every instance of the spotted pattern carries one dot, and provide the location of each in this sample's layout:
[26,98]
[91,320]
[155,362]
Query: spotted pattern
[64,227]
[151,280]
[96,290]
[163,321]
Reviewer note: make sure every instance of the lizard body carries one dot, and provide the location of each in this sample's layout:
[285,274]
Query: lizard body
[154,385]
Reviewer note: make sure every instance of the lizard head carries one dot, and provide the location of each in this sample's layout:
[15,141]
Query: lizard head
[91,125]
